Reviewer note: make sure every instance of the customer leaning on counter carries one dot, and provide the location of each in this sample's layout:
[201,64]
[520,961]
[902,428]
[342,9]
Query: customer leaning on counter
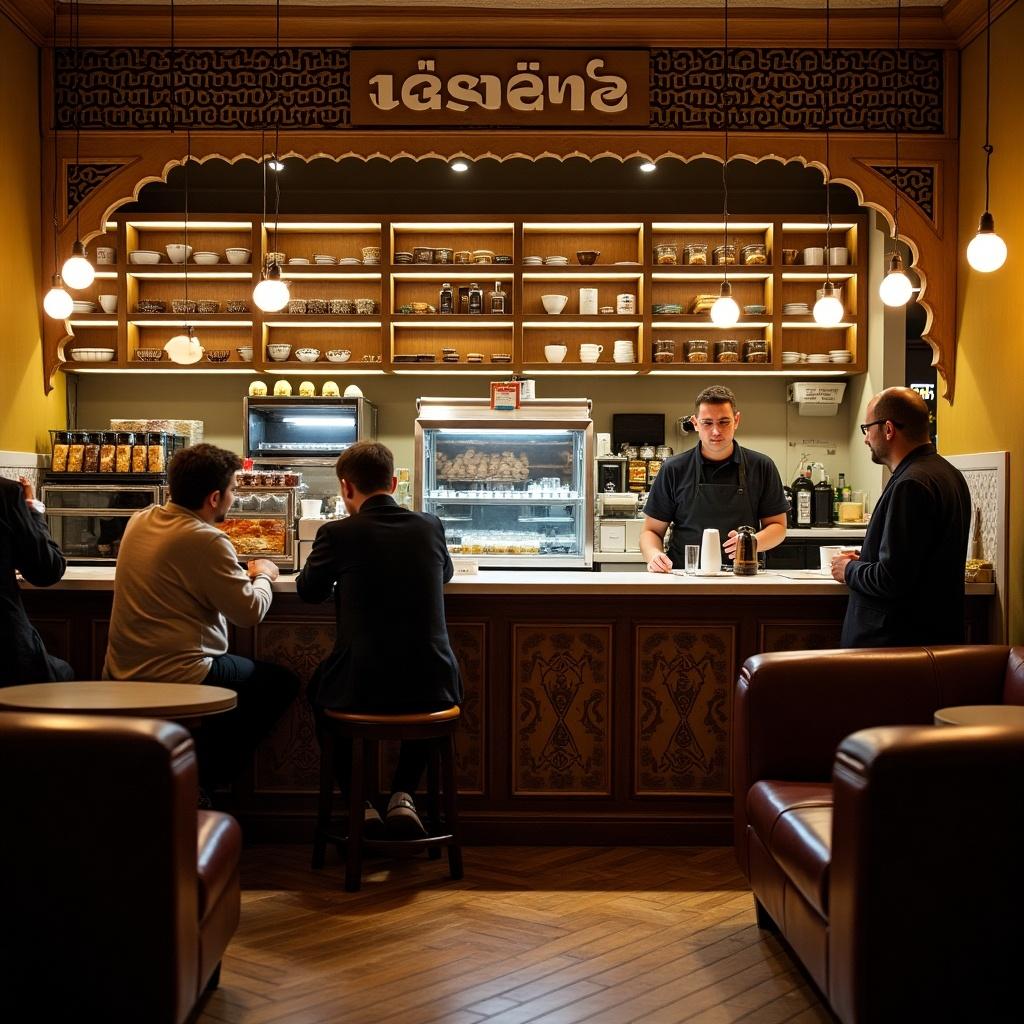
[178,584]
[716,485]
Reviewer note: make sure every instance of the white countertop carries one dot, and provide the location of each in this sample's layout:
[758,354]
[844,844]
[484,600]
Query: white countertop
[790,582]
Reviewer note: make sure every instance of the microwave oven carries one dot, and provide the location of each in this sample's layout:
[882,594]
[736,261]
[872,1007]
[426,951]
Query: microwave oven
[304,431]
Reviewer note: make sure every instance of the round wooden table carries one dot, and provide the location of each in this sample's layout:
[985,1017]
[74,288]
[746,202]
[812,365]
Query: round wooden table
[981,714]
[110,697]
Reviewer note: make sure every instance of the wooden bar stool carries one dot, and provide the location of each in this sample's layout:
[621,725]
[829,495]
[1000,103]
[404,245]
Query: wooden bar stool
[366,731]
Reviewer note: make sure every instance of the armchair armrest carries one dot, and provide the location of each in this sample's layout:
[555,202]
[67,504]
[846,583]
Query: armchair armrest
[928,824]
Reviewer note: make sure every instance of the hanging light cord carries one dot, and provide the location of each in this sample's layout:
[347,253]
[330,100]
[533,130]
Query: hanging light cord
[988,94]
[176,89]
[76,32]
[725,153]
[899,121]
[56,162]
[827,118]
[277,117]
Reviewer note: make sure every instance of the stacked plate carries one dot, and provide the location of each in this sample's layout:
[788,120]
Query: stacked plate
[321,259]
[83,306]
[403,257]
[794,357]
[839,355]
[818,357]
[532,261]
[298,261]
[349,261]
[796,309]
[556,261]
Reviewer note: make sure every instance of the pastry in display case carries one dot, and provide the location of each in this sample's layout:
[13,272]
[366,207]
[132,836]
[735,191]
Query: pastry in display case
[511,488]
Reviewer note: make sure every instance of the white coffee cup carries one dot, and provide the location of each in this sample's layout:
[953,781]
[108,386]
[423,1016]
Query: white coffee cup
[710,551]
[814,256]
[838,256]
[105,254]
[310,508]
[108,303]
[590,353]
[826,554]
[588,302]
[555,353]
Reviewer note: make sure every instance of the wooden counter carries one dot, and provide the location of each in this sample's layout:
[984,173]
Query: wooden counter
[598,705]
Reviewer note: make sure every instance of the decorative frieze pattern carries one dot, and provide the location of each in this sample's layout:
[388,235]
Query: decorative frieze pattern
[777,89]
[916,183]
[82,179]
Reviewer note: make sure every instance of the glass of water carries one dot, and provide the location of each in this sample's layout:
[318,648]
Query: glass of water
[691,558]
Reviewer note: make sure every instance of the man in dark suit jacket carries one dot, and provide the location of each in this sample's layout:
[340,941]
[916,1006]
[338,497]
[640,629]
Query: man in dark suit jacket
[386,567]
[27,547]
[907,585]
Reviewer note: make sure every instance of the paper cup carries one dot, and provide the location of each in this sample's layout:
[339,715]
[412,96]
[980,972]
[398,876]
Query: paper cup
[826,554]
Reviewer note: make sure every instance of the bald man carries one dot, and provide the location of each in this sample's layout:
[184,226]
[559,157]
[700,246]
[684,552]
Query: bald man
[907,584]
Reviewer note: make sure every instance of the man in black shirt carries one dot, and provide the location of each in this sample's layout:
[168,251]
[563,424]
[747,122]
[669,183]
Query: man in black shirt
[907,584]
[26,547]
[714,485]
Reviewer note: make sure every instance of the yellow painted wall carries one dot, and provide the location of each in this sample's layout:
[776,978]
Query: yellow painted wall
[26,412]
[988,409]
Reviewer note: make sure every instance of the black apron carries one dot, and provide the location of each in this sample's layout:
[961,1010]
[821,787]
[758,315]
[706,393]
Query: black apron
[722,507]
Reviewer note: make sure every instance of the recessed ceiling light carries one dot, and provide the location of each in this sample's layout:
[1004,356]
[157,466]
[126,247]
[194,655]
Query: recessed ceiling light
[648,166]
[459,166]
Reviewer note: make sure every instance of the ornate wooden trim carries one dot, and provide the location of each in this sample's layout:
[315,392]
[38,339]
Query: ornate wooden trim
[916,184]
[81,179]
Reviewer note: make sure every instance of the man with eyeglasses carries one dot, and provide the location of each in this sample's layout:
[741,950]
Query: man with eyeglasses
[907,584]
[714,485]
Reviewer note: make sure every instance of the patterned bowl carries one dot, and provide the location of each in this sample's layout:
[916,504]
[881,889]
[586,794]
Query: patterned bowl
[149,355]
[218,355]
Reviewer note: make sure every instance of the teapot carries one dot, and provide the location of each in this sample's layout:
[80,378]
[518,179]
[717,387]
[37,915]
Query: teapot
[745,560]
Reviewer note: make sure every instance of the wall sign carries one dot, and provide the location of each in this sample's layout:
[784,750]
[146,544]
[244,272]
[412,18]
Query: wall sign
[524,89]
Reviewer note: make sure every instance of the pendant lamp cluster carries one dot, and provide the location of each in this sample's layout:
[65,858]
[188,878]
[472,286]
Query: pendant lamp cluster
[271,294]
[986,251]
[77,272]
[724,311]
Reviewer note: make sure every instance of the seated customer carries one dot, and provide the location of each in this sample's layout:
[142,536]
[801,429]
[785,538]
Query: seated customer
[26,547]
[178,584]
[386,567]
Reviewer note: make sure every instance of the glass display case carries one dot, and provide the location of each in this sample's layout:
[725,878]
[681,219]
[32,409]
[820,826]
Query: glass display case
[512,488]
[261,524]
[88,522]
[305,431]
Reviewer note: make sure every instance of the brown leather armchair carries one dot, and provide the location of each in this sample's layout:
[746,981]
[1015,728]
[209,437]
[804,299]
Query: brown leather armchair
[890,860]
[118,897]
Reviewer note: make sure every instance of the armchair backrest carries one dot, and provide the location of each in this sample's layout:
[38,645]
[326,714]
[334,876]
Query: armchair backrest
[1013,690]
[98,866]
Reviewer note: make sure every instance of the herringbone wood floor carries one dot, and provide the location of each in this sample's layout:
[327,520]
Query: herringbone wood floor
[548,935]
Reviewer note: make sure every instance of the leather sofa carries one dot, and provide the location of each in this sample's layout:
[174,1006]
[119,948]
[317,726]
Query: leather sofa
[888,853]
[118,897]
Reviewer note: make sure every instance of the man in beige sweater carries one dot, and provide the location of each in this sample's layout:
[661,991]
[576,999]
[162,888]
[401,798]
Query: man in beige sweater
[177,586]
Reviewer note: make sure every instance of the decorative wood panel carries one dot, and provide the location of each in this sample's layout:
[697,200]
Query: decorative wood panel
[684,680]
[99,631]
[561,690]
[469,642]
[799,636]
[915,183]
[289,759]
[81,179]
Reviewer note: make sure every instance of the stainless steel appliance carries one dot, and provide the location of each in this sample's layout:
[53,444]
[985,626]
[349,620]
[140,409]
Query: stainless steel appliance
[88,521]
[513,489]
[305,431]
[261,524]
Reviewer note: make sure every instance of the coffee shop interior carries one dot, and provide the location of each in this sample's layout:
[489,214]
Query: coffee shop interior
[665,797]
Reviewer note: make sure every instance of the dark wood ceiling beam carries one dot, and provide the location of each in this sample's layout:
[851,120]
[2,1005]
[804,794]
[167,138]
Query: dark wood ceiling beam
[33,17]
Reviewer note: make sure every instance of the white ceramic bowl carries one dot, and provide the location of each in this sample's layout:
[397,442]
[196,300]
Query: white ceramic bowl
[339,355]
[245,353]
[141,256]
[555,353]
[108,303]
[307,355]
[814,256]
[238,256]
[554,303]
[92,355]
[279,353]
[177,252]
[206,259]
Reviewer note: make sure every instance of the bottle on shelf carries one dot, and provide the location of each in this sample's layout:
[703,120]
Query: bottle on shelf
[823,498]
[803,501]
[446,299]
[838,496]
[497,300]
[791,511]
[476,298]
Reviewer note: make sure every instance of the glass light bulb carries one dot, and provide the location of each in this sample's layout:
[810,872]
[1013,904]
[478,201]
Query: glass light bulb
[271,295]
[274,164]
[725,312]
[184,349]
[77,271]
[459,166]
[58,303]
[828,311]
[895,289]
[986,252]
[648,167]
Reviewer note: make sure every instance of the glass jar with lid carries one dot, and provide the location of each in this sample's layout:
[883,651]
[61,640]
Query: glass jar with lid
[666,254]
[755,351]
[76,451]
[697,350]
[727,350]
[695,254]
[724,254]
[60,439]
[755,254]
[91,455]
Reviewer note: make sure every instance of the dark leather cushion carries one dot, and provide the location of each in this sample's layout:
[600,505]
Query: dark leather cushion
[793,820]
[1013,690]
[219,849]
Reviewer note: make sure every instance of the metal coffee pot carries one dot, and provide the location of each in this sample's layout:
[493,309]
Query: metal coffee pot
[745,560]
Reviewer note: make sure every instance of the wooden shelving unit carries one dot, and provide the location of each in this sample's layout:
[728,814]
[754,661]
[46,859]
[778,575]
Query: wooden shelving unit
[626,264]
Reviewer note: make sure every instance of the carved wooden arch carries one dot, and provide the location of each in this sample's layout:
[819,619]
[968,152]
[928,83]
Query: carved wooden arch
[928,219]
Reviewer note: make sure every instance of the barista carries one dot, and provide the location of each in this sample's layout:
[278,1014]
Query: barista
[716,485]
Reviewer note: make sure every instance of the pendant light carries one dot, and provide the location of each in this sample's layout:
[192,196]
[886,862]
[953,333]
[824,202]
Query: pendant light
[77,271]
[724,311]
[828,310]
[186,348]
[987,251]
[271,294]
[896,289]
[57,303]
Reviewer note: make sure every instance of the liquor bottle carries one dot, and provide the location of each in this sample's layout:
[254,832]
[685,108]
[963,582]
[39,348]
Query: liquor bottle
[823,497]
[791,511]
[838,497]
[476,298]
[803,495]
[446,300]
[497,299]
